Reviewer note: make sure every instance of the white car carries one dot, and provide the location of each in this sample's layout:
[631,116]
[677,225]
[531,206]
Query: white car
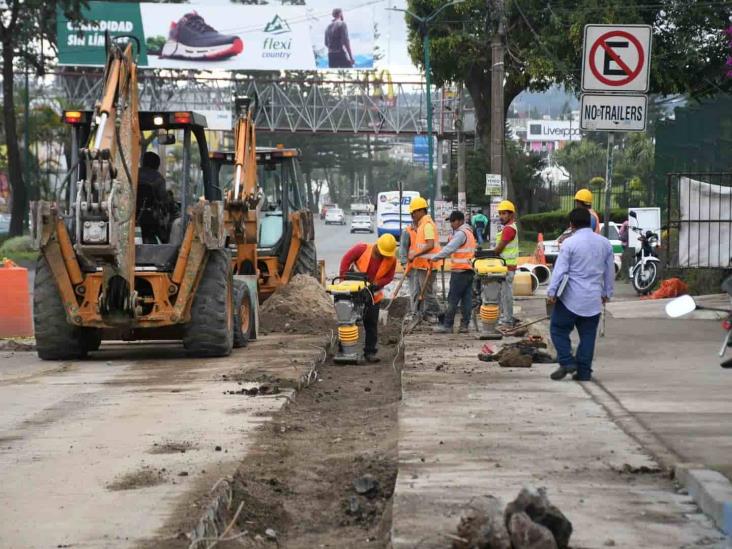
[362,223]
[551,247]
[4,223]
[335,216]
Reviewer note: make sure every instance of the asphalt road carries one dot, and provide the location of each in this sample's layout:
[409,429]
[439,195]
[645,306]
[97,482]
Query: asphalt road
[332,241]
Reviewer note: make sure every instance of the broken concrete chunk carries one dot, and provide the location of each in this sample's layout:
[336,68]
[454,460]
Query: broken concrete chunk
[366,485]
[538,507]
[514,358]
[483,526]
[527,534]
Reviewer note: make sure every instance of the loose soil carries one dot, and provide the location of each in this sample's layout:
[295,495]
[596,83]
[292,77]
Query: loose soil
[297,482]
[146,476]
[302,306]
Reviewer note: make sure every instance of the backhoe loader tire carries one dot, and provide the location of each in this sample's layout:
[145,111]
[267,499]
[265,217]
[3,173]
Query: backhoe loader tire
[56,338]
[307,260]
[243,315]
[210,332]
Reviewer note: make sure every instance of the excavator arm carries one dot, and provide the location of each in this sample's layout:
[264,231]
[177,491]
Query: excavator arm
[244,200]
[105,201]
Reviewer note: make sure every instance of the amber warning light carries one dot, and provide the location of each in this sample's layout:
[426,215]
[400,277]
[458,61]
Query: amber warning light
[72,117]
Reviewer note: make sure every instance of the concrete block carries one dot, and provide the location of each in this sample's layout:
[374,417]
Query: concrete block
[711,490]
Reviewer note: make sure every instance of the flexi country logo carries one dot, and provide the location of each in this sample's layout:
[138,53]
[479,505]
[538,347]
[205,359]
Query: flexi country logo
[277,46]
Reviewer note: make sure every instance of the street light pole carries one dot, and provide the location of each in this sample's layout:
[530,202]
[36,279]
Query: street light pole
[428,96]
[424,31]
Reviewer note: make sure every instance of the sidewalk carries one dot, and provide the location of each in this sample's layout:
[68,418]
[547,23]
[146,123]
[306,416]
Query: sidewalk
[470,428]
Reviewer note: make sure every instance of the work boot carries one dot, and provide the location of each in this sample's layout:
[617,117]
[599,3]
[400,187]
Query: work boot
[371,358]
[583,377]
[441,329]
[431,319]
[562,371]
[464,330]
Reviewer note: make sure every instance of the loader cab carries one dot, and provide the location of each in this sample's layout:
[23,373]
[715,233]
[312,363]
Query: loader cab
[280,180]
[179,140]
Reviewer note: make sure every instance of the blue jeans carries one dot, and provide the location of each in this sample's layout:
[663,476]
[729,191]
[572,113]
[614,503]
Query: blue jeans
[479,234]
[562,323]
[461,292]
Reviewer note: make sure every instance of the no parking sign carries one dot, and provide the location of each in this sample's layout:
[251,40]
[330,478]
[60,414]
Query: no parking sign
[616,58]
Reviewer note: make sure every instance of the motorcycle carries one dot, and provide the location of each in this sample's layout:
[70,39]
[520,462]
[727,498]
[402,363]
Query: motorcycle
[644,272]
[685,304]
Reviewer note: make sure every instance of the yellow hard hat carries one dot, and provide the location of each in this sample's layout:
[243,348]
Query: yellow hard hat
[584,195]
[417,203]
[506,206]
[387,245]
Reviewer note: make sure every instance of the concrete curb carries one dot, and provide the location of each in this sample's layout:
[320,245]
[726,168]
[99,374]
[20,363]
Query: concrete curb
[711,490]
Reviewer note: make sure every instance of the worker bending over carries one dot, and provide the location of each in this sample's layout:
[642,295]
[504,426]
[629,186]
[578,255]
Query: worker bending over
[378,263]
[507,246]
[423,246]
[461,247]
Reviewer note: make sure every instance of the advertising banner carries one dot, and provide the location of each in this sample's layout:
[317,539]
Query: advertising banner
[226,37]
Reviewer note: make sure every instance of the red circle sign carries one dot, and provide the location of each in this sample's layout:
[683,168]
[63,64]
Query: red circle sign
[630,73]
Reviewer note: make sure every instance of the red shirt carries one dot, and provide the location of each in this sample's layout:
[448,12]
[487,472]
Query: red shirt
[352,256]
[508,234]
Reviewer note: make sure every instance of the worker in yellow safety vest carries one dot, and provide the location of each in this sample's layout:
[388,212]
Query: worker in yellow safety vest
[378,262]
[507,246]
[423,246]
[461,248]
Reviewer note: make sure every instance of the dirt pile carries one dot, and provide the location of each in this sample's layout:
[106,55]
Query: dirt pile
[521,354]
[529,521]
[301,307]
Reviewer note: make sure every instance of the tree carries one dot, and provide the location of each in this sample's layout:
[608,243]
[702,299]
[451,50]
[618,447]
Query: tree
[544,44]
[25,26]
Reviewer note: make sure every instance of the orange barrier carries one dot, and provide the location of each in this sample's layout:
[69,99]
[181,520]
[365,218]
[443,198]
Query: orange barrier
[15,307]
[671,287]
[539,258]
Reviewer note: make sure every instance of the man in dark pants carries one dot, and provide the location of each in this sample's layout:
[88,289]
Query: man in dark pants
[338,43]
[461,247]
[582,281]
[378,263]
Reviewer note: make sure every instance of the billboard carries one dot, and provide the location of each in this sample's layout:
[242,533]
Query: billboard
[318,35]
[420,150]
[553,130]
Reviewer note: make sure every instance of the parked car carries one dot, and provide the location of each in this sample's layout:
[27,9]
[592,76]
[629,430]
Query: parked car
[335,216]
[362,223]
[551,247]
[4,223]
[324,210]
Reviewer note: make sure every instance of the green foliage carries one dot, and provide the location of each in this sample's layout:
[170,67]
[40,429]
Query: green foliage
[584,160]
[597,183]
[19,249]
[551,224]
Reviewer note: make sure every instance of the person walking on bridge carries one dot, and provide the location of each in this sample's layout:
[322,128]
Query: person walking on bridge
[378,263]
[461,247]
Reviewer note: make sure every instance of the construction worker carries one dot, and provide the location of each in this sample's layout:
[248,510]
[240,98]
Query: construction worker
[583,199]
[480,224]
[423,246]
[507,246]
[405,241]
[461,247]
[378,262]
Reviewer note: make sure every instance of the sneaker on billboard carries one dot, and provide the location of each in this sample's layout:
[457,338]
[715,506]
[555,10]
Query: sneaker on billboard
[192,38]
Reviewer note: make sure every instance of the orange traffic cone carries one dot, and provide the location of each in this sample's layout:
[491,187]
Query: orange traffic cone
[539,257]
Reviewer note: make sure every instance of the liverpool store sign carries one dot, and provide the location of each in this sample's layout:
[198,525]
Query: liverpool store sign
[226,37]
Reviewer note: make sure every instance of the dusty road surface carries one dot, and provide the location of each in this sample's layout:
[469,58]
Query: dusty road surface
[118,449]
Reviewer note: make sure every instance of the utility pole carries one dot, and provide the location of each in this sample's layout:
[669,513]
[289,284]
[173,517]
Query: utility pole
[462,190]
[497,76]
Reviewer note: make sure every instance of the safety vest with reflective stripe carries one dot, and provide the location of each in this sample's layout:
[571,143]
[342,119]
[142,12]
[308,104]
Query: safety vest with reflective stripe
[462,258]
[419,243]
[362,266]
[511,252]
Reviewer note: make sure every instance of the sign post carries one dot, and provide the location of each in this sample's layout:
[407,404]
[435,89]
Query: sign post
[616,71]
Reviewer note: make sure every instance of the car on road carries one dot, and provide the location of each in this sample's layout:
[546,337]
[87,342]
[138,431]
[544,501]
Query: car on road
[324,210]
[551,247]
[335,216]
[362,223]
